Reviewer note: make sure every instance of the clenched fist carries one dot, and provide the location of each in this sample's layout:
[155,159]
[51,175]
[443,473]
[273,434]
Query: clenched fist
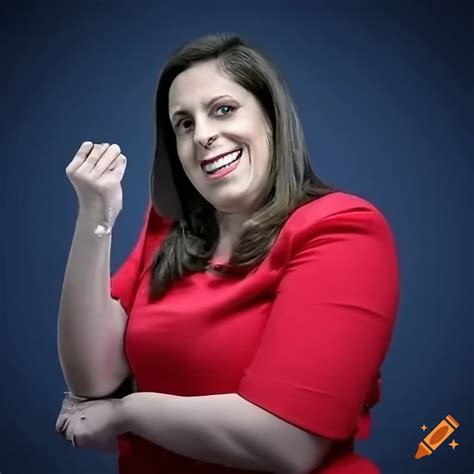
[96,172]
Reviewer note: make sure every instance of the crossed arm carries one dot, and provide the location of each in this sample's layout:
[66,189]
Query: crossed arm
[223,429]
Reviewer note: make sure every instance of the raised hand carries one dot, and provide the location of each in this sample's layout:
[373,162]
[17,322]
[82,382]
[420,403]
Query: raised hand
[96,172]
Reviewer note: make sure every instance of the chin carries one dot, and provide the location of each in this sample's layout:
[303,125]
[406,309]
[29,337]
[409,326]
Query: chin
[235,205]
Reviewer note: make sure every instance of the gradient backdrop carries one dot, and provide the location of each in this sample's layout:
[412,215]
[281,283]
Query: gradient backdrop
[384,92]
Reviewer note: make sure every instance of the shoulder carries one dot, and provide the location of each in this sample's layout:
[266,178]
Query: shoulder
[338,212]
[331,205]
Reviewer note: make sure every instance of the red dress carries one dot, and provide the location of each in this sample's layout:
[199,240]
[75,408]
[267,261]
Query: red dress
[303,336]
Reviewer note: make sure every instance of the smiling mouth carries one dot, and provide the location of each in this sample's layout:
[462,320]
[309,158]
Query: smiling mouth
[219,157]
[238,152]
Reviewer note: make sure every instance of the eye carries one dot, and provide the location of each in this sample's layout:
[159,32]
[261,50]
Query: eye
[232,108]
[182,121]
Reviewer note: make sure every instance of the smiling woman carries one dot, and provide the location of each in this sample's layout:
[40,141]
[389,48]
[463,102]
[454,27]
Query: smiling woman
[206,135]
[270,362]
[216,95]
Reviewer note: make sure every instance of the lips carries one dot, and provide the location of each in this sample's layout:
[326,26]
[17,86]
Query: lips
[224,170]
[210,160]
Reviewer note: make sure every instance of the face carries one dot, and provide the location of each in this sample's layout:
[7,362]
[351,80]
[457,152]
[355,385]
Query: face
[236,121]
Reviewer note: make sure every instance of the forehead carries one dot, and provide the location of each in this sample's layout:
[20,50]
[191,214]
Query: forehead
[200,83]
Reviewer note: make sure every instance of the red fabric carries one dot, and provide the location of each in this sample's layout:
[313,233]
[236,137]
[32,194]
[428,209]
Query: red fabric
[303,336]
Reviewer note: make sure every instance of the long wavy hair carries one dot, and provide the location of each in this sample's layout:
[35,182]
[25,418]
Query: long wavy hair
[192,239]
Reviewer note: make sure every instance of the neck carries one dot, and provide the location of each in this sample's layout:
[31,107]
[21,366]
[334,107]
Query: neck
[230,224]
[230,229]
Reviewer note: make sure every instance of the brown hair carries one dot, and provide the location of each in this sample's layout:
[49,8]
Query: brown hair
[193,238]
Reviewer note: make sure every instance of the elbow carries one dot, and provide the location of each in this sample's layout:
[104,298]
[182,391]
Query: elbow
[280,462]
[293,466]
[305,468]
[310,460]
[300,466]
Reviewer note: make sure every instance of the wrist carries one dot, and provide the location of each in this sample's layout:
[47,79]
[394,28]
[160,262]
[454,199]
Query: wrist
[94,223]
[124,418]
[98,212]
[76,398]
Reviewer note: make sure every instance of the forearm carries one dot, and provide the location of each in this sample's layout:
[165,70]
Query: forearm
[85,334]
[220,429]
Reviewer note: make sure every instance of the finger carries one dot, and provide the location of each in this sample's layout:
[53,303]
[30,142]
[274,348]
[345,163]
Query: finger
[94,156]
[63,431]
[74,431]
[63,424]
[59,423]
[68,430]
[84,161]
[81,164]
[64,414]
[119,165]
[79,157]
[117,162]
[106,160]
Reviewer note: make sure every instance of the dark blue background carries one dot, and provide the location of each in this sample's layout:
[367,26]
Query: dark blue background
[384,91]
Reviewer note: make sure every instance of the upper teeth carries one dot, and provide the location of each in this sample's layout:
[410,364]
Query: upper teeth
[224,160]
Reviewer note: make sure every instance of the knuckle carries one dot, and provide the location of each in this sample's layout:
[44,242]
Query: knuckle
[97,171]
[82,177]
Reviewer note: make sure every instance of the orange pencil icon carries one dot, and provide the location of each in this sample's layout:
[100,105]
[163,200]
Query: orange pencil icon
[436,437]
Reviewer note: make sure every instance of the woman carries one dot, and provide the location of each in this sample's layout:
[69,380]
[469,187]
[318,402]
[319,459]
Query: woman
[257,306]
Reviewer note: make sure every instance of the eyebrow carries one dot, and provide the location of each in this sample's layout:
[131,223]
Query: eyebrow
[207,105]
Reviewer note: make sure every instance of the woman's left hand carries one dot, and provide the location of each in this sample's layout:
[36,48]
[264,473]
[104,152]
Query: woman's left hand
[91,424]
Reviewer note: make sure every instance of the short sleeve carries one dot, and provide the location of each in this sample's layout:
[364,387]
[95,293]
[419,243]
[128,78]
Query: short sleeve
[123,283]
[330,325]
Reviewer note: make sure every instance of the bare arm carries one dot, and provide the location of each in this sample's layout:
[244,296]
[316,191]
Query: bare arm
[91,323]
[222,429]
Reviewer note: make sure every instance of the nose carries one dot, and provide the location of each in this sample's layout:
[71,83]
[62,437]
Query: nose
[204,134]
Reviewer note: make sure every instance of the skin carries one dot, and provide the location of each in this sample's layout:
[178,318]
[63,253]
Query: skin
[237,121]
[223,428]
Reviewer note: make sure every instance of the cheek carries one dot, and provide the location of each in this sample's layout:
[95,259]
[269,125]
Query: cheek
[262,153]
[181,150]
[184,156]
